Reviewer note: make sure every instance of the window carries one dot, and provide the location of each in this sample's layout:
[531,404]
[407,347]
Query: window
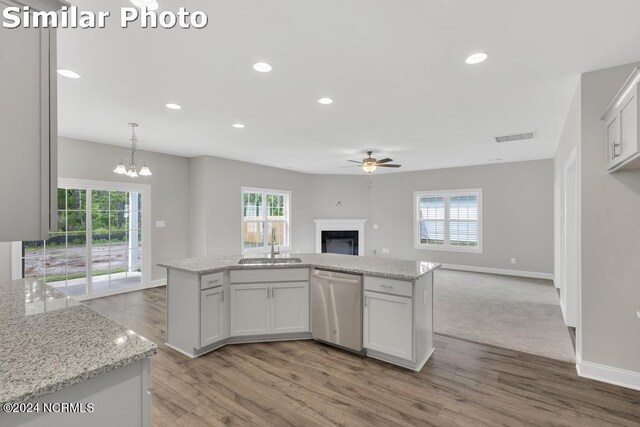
[265,218]
[449,220]
[98,247]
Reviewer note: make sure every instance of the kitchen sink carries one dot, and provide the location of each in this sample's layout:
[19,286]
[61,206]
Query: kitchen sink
[269,261]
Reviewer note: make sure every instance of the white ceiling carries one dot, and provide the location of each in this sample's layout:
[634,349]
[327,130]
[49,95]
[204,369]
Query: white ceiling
[395,69]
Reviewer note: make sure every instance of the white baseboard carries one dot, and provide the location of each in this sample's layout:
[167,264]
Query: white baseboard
[158,282]
[608,374]
[501,271]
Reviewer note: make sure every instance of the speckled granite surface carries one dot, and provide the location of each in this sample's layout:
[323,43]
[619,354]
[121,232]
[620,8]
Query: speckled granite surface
[49,342]
[372,266]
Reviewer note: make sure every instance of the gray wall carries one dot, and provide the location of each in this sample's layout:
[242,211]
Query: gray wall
[169,190]
[517,211]
[570,139]
[518,207]
[610,236]
[216,221]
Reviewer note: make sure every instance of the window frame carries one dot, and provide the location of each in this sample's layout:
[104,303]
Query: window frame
[447,194]
[287,207]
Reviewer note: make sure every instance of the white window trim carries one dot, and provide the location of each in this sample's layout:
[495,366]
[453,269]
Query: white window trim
[446,248]
[267,247]
[85,184]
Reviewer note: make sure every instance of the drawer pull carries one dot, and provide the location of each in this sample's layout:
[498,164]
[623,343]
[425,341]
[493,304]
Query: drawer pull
[386,286]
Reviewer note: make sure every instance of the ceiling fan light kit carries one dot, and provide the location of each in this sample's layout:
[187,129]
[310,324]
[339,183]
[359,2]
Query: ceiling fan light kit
[132,170]
[370,165]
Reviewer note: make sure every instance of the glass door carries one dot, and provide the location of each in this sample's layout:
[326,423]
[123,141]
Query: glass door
[98,248]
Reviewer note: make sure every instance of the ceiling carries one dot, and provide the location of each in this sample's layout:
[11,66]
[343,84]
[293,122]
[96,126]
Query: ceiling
[396,70]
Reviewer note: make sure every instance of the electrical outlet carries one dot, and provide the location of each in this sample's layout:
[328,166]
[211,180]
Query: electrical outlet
[513,260]
[426,298]
[160,224]
[385,250]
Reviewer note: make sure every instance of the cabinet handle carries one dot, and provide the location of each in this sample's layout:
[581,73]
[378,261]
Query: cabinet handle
[366,301]
[222,296]
[614,150]
[269,292]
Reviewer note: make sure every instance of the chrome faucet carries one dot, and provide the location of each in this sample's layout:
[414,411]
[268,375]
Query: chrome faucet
[274,252]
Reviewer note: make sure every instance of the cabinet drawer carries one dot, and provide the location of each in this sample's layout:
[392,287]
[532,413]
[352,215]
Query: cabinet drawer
[211,280]
[388,286]
[270,275]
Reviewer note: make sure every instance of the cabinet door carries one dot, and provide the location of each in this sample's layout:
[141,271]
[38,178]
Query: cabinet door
[289,307]
[29,137]
[250,309]
[614,148]
[388,324]
[629,126]
[212,316]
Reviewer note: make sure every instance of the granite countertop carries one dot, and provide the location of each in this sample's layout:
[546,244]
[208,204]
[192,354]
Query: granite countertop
[49,341]
[372,266]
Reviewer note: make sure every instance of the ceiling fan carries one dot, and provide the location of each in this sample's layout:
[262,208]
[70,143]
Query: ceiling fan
[370,164]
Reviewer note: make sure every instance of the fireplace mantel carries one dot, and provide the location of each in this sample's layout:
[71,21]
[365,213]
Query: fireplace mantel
[340,225]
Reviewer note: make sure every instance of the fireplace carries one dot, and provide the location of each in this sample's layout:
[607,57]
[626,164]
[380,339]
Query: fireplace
[340,236]
[343,242]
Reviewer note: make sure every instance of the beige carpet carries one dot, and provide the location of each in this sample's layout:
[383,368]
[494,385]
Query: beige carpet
[512,312]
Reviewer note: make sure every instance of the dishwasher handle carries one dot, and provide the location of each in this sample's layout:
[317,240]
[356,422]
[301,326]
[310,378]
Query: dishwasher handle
[328,276]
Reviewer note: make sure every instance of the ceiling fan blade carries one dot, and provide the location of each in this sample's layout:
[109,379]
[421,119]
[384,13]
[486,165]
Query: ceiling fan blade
[355,161]
[387,160]
[389,166]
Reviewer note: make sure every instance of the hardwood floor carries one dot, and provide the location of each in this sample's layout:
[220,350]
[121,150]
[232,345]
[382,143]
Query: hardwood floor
[303,383]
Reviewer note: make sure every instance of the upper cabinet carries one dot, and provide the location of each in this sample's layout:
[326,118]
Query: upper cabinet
[621,118]
[28,124]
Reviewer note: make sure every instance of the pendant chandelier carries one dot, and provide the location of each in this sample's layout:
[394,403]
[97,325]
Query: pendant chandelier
[132,170]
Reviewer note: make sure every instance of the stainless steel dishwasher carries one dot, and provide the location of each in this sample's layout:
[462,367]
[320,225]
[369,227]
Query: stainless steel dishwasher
[336,302]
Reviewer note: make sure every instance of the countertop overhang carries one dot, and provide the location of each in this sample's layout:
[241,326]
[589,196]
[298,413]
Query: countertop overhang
[389,268]
[49,341]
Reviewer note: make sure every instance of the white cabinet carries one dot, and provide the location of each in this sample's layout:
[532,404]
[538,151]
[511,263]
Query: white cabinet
[621,118]
[28,121]
[289,307]
[250,309]
[212,316]
[269,308]
[388,324]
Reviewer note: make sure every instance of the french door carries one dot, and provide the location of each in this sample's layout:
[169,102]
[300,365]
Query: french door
[101,246]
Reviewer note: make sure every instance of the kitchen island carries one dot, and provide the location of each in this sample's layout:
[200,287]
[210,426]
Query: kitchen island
[220,300]
[55,351]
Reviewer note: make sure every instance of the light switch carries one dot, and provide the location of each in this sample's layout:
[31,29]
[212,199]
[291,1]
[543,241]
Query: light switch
[160,224]
[385,250]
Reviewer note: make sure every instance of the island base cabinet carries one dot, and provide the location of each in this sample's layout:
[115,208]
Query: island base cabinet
[250,309]
[290,307]
[270,308]
[388,324]
[212,316]
[120,397]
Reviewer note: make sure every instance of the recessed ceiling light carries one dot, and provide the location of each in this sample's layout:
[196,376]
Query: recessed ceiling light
[325,101]
[148,4]
[238,126]
[262,67]
[68,73]
[174,106]
[476,58]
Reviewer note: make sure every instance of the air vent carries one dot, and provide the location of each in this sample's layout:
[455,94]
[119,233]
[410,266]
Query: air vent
[514,137]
